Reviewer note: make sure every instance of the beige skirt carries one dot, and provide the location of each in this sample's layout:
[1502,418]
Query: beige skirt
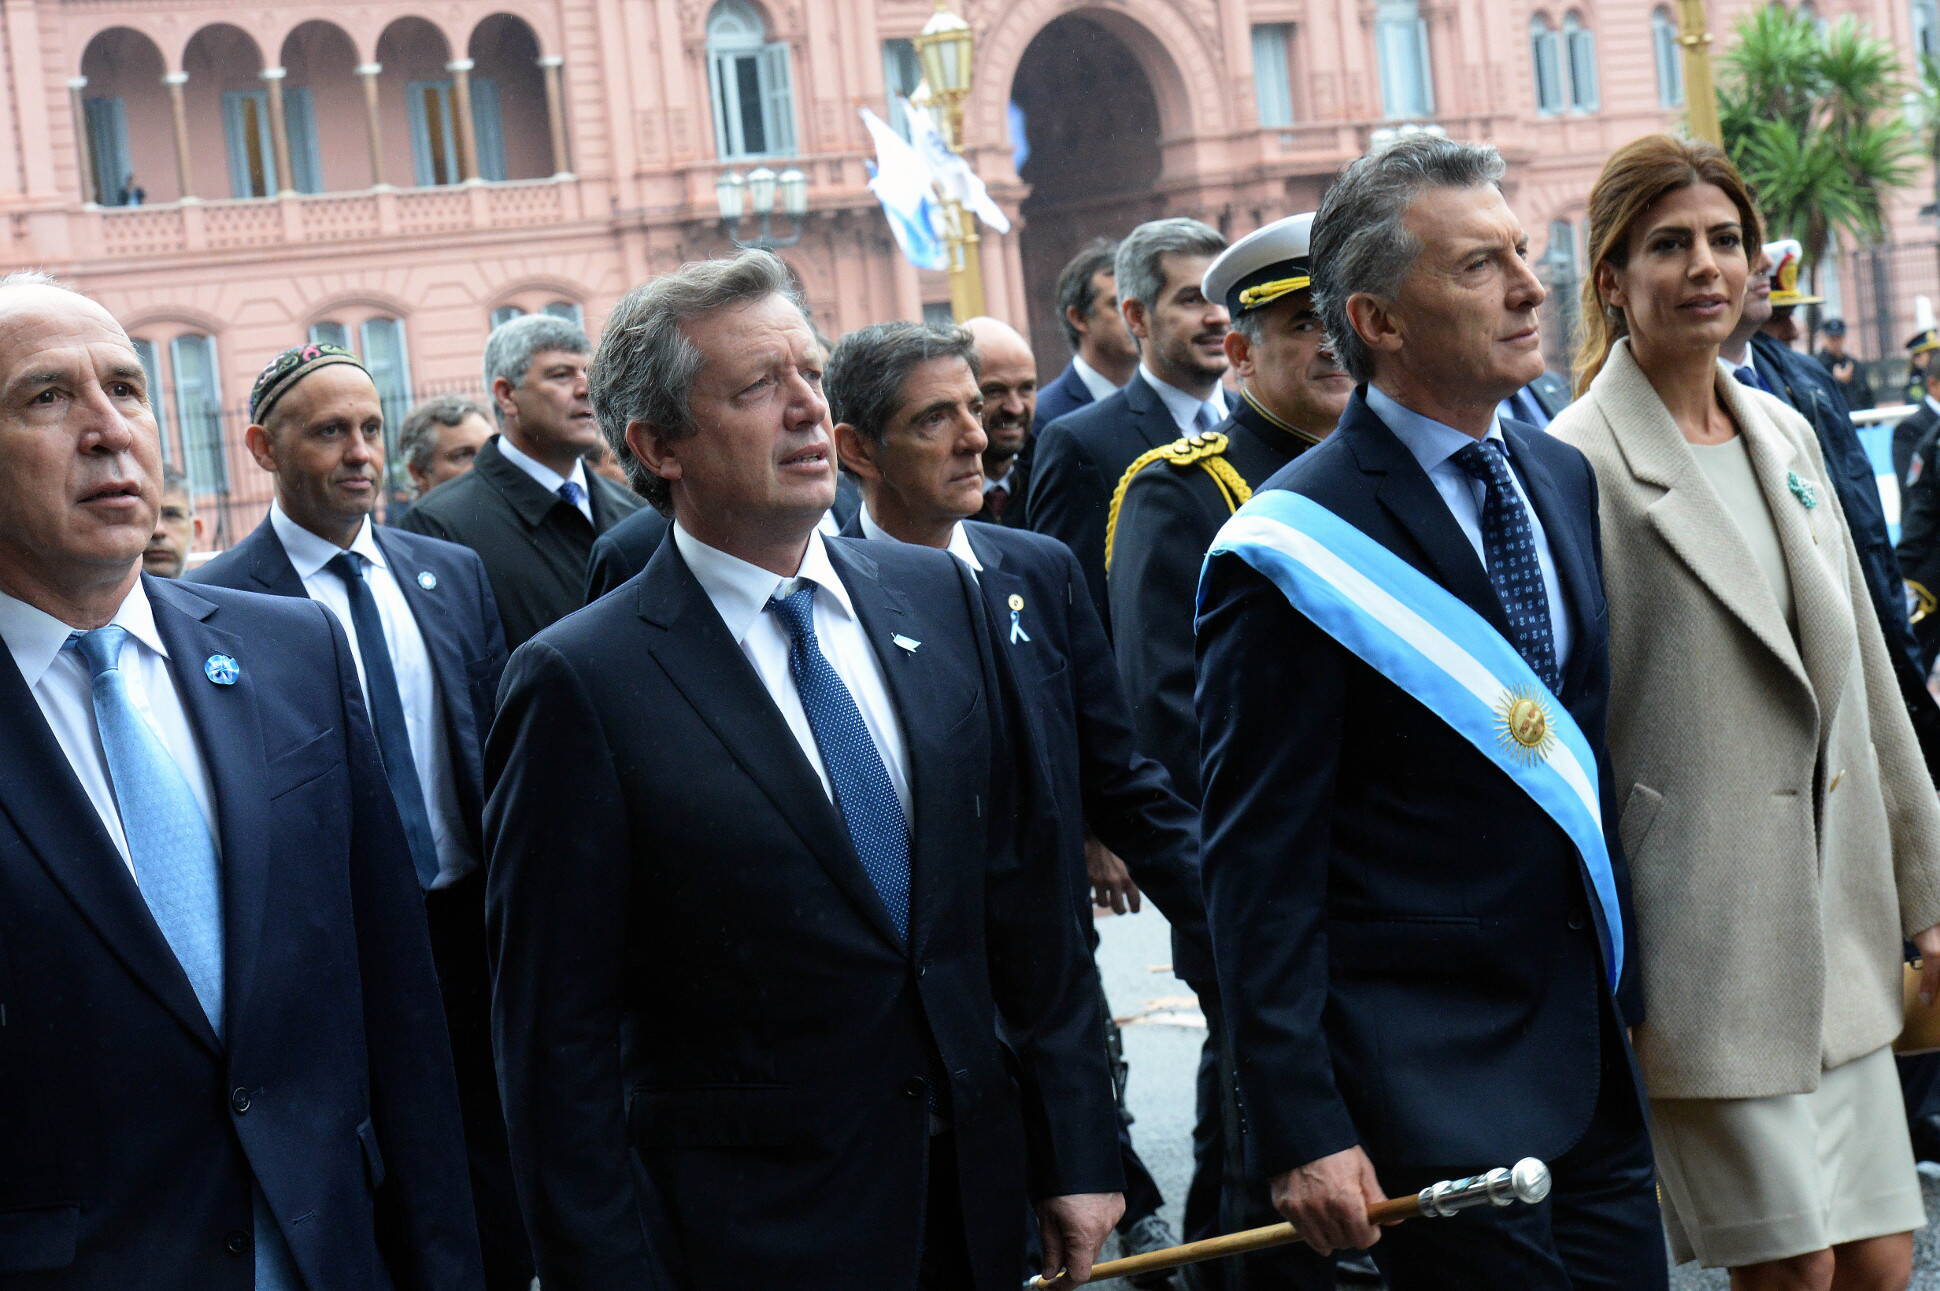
[1747,1180]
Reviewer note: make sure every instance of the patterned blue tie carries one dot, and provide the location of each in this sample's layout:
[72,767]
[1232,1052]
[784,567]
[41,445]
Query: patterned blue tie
[1748,375]
[169,840]
[572,493]
[387,715]
[1509,542]
[863,792]
[174,855]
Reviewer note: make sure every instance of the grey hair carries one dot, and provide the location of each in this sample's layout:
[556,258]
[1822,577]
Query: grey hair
[865,376]
[1137,265]
[1360,245]
[417,438]
[1074,283]
[33,278]
[646,365]
[513,345]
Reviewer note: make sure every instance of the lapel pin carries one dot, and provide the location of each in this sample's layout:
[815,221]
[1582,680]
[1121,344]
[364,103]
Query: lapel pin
[907,643]
[1802,490]
[1017,632]
[427,580]
[221,669]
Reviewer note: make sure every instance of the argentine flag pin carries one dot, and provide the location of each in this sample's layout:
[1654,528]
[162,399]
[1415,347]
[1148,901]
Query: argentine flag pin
[221,669]
[427,580]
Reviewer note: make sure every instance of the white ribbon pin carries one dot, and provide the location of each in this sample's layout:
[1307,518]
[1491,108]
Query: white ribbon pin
[907,643]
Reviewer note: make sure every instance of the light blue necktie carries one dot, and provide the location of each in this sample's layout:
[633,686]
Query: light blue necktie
[1205,420]
[572,493]
[863,792]
[1509,541]
[174,856]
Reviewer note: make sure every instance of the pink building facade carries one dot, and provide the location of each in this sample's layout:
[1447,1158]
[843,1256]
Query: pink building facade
[397,176]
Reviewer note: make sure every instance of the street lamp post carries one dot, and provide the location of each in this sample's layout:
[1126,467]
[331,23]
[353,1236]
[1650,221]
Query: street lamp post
[754,193]
[944,47]
[1700,98]
[1559,269]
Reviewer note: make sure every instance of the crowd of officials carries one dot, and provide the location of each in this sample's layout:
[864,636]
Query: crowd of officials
[684,880]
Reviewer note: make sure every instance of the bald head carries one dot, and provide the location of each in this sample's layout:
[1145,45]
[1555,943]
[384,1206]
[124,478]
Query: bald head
[1009,387]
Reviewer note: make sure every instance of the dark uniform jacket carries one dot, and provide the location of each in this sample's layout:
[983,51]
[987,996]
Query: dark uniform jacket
[1919,549]
[1166,518]
[534,544]
[1810,389]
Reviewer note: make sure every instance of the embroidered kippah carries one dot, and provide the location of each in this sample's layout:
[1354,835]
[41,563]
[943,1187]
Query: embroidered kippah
[290,367]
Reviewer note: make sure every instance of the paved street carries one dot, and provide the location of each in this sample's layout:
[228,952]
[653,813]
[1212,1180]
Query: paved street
[1162,1041]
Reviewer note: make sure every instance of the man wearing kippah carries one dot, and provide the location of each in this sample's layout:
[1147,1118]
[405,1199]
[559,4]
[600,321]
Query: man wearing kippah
[425,634]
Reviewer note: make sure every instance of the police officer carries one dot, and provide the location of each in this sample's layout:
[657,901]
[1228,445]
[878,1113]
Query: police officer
[1164,513]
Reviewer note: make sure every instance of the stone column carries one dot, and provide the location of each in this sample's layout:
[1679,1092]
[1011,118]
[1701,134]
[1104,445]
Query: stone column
[368,73]
[279,134]
[83,151]
[178,108]
[461,111]
[552,64]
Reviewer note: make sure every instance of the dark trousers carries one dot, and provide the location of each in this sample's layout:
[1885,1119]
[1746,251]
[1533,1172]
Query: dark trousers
[945,1262]
[456,916]
[1600,1230]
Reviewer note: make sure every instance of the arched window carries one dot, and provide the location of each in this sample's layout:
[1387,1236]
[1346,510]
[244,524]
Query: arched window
[151,366]
[1546,57]
[1670,57]
[1580,42]
[198,410]
[381,342]
[568,310]
[748,80]
[1401,50]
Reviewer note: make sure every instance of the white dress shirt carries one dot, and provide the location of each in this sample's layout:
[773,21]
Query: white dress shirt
[64,689]
[1098,383]
[1184,407]
[1434,445]
[958,546]
[740,593]
[417,685]
[548,478]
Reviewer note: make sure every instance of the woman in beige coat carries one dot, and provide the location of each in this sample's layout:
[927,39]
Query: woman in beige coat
[1781,830]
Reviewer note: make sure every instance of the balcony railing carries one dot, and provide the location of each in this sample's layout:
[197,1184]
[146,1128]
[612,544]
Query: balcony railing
[124,232]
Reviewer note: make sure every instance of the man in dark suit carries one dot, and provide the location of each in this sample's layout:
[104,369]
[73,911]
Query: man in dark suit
[528,506]
[224,1061]
[906,401]
[1103,354]
[1007,378]
[420,620]
[1415,957]
[791,772]
[1078,460]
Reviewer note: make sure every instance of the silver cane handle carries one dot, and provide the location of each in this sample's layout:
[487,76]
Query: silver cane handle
[1527,1182]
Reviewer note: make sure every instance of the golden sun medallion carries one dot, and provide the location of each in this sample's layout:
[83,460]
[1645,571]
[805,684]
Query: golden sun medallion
[1522,724]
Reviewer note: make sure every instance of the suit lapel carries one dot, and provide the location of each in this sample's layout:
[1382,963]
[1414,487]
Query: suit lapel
[1563,528]
[709,669]
[431,609]
[1154,420]
[269,564]
[228,729]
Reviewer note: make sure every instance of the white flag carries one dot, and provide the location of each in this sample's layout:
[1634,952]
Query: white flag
[901,182]
[949,170]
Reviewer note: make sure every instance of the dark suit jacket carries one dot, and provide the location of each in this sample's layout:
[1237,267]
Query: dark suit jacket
[1552,392]
[534,545]
[457,617]
[1908,433]
[1408,947]
[1167,520]
[1076,465]
[1099,778]
[1019,484]
[1067,393]
[1802,382]
[624,551]
[652,820]
[133,1136]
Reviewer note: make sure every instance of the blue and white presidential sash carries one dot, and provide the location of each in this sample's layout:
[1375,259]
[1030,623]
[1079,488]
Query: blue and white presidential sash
[1429,642]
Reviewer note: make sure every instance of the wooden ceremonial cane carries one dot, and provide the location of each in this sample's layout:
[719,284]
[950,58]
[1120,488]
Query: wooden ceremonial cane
[1527,1182]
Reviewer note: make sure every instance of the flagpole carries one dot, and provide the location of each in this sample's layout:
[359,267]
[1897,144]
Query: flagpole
[1700,97]
[944,49]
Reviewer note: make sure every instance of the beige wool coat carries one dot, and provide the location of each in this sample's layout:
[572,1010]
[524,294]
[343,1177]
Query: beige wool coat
[1781,829]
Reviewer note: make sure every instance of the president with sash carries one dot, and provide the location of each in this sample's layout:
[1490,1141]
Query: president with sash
[1419,919]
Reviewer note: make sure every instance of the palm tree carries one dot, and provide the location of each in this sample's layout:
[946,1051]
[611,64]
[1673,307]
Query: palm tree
[1811,119]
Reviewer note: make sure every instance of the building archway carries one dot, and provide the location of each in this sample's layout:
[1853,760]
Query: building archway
[1094,157]
[127,116]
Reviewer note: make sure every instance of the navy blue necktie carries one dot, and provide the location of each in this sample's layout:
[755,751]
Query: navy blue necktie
[863,792]
[1748,375]
[572,493]
[387,715]
[1509,541]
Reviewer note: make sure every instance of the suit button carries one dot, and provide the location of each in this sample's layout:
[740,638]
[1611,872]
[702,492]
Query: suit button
[915,1087]
[239,1100]
[922,969]
[1578,922]
[237,1242]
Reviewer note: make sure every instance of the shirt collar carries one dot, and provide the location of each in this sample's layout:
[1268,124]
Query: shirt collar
[958,546]
[35,638]
[310,553]
[1001,481]
[741,591]
[1933,403]
[1098,383]
[1431,441]
[548,478]
[1184,407]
